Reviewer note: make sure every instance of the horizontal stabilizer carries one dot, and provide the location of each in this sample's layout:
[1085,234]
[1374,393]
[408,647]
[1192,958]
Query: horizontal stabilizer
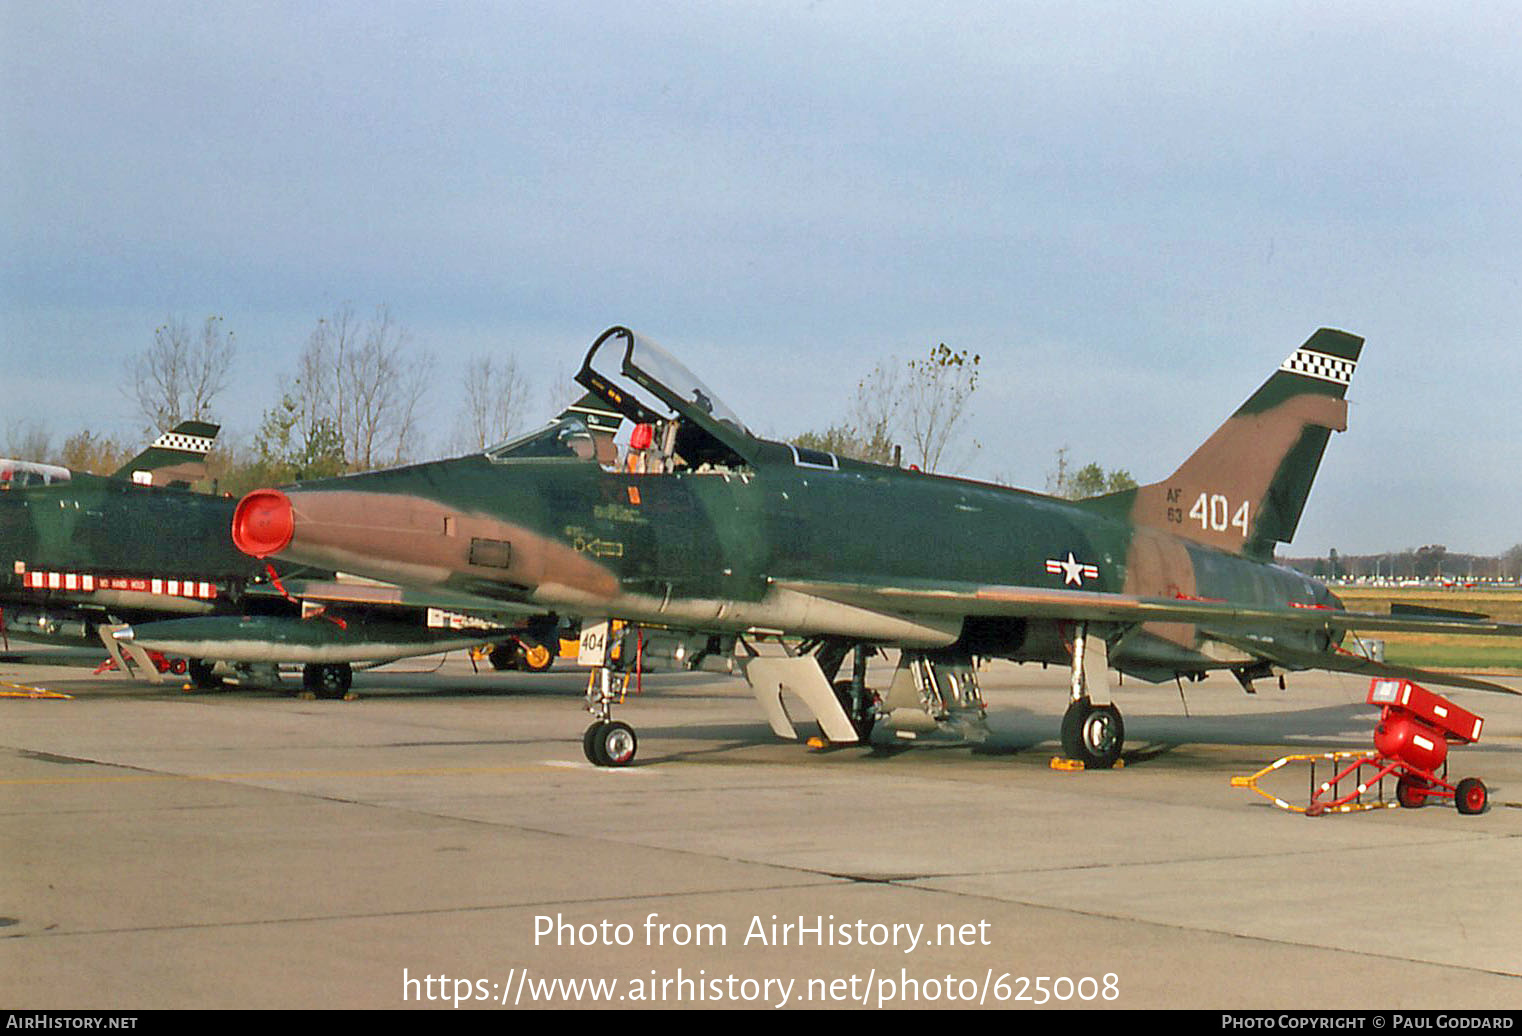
[1345,662]
[1423,611]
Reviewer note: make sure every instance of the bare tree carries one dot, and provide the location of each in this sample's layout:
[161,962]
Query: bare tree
[935,398]
[867,431]
[182,373]
[562,390]
[1511,562]
[383,386]
[929,396]
[358,380]
[28,439]
[496,393]
[878,397]
[1058,481]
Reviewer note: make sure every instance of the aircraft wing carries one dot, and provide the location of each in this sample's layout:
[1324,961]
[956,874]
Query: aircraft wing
[1233,624]
[1095,606]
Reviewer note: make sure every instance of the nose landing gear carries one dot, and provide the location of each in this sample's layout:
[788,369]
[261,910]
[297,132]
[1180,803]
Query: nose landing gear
[607,742]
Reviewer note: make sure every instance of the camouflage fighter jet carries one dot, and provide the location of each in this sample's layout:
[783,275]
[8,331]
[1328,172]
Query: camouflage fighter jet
[734,552]
[139,563]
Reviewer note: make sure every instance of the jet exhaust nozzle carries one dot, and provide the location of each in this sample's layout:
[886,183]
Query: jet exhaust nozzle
[264,523]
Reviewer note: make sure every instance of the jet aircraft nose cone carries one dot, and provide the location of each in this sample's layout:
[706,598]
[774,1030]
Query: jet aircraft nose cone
[264,523]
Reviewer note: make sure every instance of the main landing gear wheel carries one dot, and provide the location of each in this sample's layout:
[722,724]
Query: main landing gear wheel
[610,743]
[1093,734]
[1471,797]
[327,681]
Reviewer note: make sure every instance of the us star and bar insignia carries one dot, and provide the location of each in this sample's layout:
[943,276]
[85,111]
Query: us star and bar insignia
[1072,570]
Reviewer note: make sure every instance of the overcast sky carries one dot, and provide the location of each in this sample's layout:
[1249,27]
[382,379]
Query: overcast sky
[1132,211]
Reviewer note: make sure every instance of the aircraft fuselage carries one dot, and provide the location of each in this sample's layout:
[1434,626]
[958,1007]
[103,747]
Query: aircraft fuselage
[718,550]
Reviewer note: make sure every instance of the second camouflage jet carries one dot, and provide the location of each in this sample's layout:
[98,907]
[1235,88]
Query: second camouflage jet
[140,564]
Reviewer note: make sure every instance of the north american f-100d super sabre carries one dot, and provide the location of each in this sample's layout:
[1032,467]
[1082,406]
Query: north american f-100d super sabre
[736,553]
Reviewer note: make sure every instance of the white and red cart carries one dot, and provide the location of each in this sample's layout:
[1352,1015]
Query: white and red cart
[1411,741]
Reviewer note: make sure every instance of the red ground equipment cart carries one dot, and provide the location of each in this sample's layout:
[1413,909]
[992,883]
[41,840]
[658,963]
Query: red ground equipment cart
[1410,744]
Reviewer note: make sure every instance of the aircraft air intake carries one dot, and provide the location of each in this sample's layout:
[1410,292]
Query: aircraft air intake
[264,523]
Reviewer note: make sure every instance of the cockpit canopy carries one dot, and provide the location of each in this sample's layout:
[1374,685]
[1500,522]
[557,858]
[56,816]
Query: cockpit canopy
[649,386]
[679,423]
[19,474]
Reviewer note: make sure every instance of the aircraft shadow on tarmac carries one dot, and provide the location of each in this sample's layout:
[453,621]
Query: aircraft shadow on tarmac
[1017,732]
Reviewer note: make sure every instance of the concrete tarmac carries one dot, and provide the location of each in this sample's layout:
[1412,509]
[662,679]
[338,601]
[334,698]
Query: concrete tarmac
[441,841]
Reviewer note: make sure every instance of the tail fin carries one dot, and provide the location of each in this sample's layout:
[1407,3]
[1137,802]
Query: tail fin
[178,457]
[1244,489]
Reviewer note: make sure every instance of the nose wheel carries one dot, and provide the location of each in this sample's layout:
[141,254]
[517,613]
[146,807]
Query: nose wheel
[610,743]
[607,742]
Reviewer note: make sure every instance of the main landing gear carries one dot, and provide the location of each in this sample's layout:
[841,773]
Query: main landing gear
[1092,731]
[935,698]
[1093,734]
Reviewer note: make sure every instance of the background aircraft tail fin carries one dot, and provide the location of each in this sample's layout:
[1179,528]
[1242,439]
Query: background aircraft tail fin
[1244,489]
[176,457]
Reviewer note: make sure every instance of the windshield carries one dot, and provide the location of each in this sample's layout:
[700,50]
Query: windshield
[566,439]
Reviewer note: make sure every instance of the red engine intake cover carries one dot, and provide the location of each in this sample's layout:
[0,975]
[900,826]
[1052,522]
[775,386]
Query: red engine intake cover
[264,523]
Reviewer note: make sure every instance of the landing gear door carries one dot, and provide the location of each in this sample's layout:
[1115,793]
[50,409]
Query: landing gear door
[800,676]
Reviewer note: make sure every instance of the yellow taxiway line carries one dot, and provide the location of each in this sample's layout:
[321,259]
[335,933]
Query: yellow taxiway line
[448,771]
[21,690]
